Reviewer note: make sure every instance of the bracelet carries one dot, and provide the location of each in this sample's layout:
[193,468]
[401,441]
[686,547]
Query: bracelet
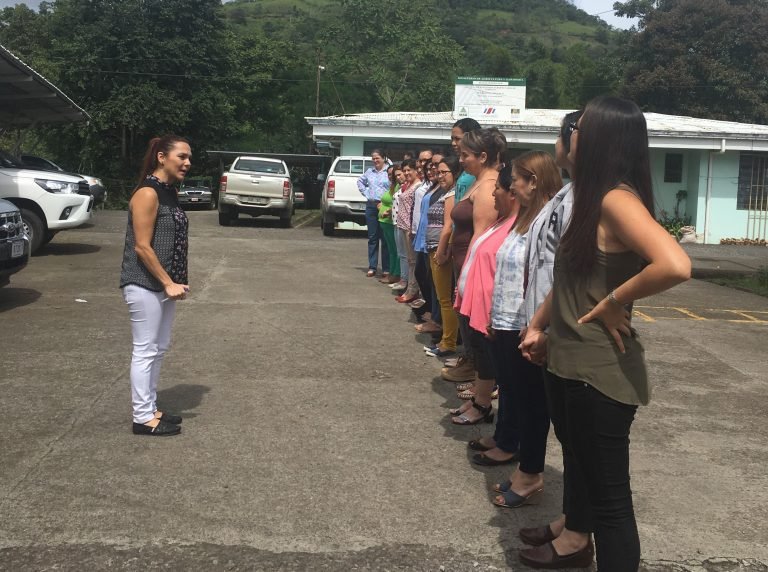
[612,298]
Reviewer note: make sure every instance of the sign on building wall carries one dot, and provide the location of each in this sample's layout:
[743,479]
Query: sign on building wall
[489,98]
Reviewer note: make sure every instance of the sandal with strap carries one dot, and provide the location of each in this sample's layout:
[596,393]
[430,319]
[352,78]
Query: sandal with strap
[487,415]
[514,500]
[457,410]
[465,395]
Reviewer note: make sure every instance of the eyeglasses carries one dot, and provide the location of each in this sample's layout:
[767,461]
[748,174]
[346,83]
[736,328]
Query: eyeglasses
[572,126]
[432,166]
[439,173]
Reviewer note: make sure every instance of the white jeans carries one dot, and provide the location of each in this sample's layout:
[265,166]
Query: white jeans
[151,322]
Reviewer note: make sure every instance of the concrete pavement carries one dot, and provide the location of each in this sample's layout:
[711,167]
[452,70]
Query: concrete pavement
[315,433]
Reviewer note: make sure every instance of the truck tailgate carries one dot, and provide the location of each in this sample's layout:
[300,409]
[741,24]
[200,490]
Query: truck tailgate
[256,184]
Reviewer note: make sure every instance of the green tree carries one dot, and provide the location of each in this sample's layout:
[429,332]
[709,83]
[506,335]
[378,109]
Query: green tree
[402,52]
[706,58]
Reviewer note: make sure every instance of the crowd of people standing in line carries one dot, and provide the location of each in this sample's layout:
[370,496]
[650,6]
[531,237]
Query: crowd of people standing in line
[534,281]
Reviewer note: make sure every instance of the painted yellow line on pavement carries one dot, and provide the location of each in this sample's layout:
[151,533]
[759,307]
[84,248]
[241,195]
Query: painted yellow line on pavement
[689,313]
[654,313]
[645,317]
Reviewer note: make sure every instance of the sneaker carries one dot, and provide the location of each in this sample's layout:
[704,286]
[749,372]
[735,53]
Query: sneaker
[438,353]
[432,348]
[463,372]
[399,286]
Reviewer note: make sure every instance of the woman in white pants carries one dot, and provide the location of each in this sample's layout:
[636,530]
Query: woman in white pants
[154,275]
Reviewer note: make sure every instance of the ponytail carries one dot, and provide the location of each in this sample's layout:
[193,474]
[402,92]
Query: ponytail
[157,145]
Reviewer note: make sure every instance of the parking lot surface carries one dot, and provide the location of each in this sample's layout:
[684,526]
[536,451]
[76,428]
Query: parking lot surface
[315,433]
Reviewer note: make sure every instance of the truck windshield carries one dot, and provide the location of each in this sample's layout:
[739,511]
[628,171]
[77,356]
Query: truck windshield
[258,166]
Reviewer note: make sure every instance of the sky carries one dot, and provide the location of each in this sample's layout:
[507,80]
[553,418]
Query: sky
[589,6]
[595,7]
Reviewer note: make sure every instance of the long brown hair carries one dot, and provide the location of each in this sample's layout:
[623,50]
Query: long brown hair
[157,145]
[548,181]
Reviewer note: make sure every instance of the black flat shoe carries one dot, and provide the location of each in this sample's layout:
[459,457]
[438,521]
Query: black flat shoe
[485,461]
[477,445]
[162,429]
[169,418]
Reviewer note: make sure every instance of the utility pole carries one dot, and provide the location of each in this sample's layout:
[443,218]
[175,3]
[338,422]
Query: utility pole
[317,84]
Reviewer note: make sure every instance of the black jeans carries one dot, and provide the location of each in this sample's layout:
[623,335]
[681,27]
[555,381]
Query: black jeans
[594,432]
[523,418]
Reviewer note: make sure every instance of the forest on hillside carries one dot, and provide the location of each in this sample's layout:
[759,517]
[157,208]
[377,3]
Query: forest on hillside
[243,75]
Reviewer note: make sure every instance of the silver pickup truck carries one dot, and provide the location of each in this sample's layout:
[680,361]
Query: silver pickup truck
[14,244]
[256,186]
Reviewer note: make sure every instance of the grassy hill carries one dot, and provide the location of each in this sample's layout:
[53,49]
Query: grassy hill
[551,22]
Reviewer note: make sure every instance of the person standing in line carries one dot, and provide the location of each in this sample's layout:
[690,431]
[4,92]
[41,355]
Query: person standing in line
[402,252]
[387,227]
[438,233]
[617,254]
[463,370]
[372,184]
[424,196]
[480,155]
[154,275]
[403,222]
[522,423]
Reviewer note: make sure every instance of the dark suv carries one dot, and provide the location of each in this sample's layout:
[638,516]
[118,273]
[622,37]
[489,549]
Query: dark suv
[14,245]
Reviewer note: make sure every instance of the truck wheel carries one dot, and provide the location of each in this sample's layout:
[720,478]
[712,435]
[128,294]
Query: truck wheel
[226,219]
[328,227]
[48,237]
[285,219]
[34,228]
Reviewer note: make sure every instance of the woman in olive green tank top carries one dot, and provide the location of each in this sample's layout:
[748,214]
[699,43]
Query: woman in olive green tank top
[614,252]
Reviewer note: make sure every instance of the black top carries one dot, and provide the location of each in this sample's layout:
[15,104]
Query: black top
[169,241]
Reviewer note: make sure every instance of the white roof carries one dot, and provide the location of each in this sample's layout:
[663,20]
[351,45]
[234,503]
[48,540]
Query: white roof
[541,126]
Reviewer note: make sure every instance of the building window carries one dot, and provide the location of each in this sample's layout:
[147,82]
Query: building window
[753,182]
[673,168]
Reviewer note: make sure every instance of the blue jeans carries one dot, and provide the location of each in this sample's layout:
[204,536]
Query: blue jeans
[374,237]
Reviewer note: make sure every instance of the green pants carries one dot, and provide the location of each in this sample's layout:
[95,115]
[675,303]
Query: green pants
[388,230]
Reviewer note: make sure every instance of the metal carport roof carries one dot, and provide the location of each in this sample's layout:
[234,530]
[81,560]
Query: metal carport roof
[27,98]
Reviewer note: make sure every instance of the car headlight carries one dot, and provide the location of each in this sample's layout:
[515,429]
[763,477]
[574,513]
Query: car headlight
[54,186]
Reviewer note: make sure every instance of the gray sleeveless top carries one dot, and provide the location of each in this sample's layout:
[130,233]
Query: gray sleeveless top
[169,241]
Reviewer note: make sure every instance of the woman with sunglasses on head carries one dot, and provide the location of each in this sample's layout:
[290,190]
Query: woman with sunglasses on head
[613,253]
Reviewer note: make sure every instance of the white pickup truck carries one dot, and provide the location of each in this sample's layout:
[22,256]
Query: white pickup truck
[48,201]
[256,186]
[342,200]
